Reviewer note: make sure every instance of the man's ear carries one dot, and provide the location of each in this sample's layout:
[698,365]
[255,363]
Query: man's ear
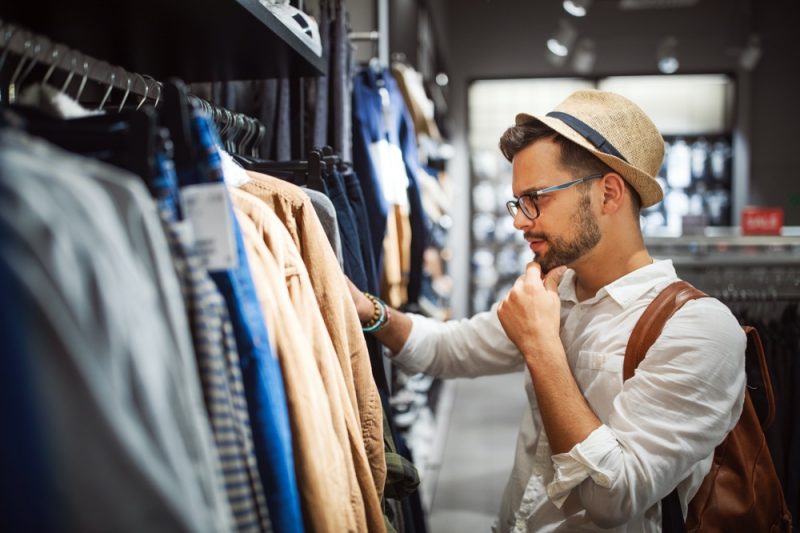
[613,192]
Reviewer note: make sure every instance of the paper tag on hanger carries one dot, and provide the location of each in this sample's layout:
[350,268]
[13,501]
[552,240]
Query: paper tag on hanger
[207,207]
[391,170]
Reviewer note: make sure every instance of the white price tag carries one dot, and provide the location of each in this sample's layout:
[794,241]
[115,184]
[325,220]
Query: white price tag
[206,207]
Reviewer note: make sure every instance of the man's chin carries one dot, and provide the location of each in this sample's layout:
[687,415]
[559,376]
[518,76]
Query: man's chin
[545,265]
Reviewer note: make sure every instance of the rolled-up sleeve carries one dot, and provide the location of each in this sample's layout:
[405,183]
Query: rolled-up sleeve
[471,347]
[584,460]
[684,398]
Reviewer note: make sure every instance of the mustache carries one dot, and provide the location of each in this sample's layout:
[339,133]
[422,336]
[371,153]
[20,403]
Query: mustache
[535,235]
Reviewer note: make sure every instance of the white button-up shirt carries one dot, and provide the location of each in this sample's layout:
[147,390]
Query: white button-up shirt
[659,430]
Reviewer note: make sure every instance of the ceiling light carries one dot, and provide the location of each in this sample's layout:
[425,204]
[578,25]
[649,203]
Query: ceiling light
[667,55]
[751,53]
[577,8]
[561,42]
[584,56]
[442,80]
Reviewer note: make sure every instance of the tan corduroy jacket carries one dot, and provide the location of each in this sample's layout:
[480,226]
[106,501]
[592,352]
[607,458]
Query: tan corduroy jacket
[320,463]
[337,373]
[341,319]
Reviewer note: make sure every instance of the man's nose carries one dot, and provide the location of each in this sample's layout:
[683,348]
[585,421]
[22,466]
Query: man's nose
[522,222]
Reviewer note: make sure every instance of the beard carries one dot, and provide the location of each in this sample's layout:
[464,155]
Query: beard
[562,251]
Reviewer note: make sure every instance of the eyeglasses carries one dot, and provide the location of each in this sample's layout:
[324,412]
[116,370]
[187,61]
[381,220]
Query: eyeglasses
[529,201]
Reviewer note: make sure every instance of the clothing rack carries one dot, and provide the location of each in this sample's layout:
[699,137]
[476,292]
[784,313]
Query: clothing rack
[746,283]
[364,36]
[239,132]
[311,169]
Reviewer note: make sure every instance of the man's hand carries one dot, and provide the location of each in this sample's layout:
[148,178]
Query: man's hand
[531,312]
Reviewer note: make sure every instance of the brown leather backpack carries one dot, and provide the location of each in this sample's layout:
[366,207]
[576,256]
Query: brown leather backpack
[742,491]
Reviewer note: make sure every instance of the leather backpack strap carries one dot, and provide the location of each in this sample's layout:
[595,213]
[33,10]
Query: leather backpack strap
[652,321]
[754,338]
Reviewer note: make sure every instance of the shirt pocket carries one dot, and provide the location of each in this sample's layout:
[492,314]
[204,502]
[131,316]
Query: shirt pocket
[599,376]
[599,361]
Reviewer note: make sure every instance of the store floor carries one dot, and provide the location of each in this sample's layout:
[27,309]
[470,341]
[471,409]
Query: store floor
[478,453]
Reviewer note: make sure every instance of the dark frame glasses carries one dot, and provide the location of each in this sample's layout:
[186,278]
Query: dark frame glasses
[529,202]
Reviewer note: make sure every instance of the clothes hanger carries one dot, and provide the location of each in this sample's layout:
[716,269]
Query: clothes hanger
[146,92]
[127,92]
[8,35]
[11,88]
[113,78]
[175,116]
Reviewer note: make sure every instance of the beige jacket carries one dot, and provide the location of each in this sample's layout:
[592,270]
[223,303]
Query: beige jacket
[320,464]
[335,372]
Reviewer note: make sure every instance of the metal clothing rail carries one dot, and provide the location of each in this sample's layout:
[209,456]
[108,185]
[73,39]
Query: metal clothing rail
[37,50]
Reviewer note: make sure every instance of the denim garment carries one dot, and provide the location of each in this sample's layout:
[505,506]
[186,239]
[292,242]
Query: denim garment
[22,456]
[261,372]
[351,244]
[368,127]
[356,200]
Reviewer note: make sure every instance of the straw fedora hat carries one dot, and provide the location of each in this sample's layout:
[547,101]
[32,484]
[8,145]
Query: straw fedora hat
[616,131]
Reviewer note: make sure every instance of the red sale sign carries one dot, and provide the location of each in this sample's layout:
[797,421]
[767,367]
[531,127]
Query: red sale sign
[762,221]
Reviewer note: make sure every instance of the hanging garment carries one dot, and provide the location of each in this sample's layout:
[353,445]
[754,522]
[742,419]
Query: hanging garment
[354,262]
[341,320]
[242,483]
[356,201]
[345,191]
[326,212]
[380,115]
[396,253]
[321,466]
[343,418]
[218,364]
[130,445]
[419,105]
[263,381]
[30,481]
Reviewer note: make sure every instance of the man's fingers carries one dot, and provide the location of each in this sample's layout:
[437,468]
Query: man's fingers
[553,278]
[533,273]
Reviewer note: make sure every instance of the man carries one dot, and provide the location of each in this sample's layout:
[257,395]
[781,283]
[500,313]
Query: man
[591,453]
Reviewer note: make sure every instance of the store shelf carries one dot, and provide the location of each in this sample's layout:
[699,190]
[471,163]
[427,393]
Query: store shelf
[726,247]
[197,41]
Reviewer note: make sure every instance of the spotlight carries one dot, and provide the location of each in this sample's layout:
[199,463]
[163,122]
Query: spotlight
[577,8]
[584,56]
[561,42]
[749,57]
[442,80]
[667,55]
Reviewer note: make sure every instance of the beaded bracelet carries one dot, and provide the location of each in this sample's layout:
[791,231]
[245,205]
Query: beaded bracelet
[381,316]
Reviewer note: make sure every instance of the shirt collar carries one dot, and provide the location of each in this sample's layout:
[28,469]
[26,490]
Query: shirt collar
[626,289]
